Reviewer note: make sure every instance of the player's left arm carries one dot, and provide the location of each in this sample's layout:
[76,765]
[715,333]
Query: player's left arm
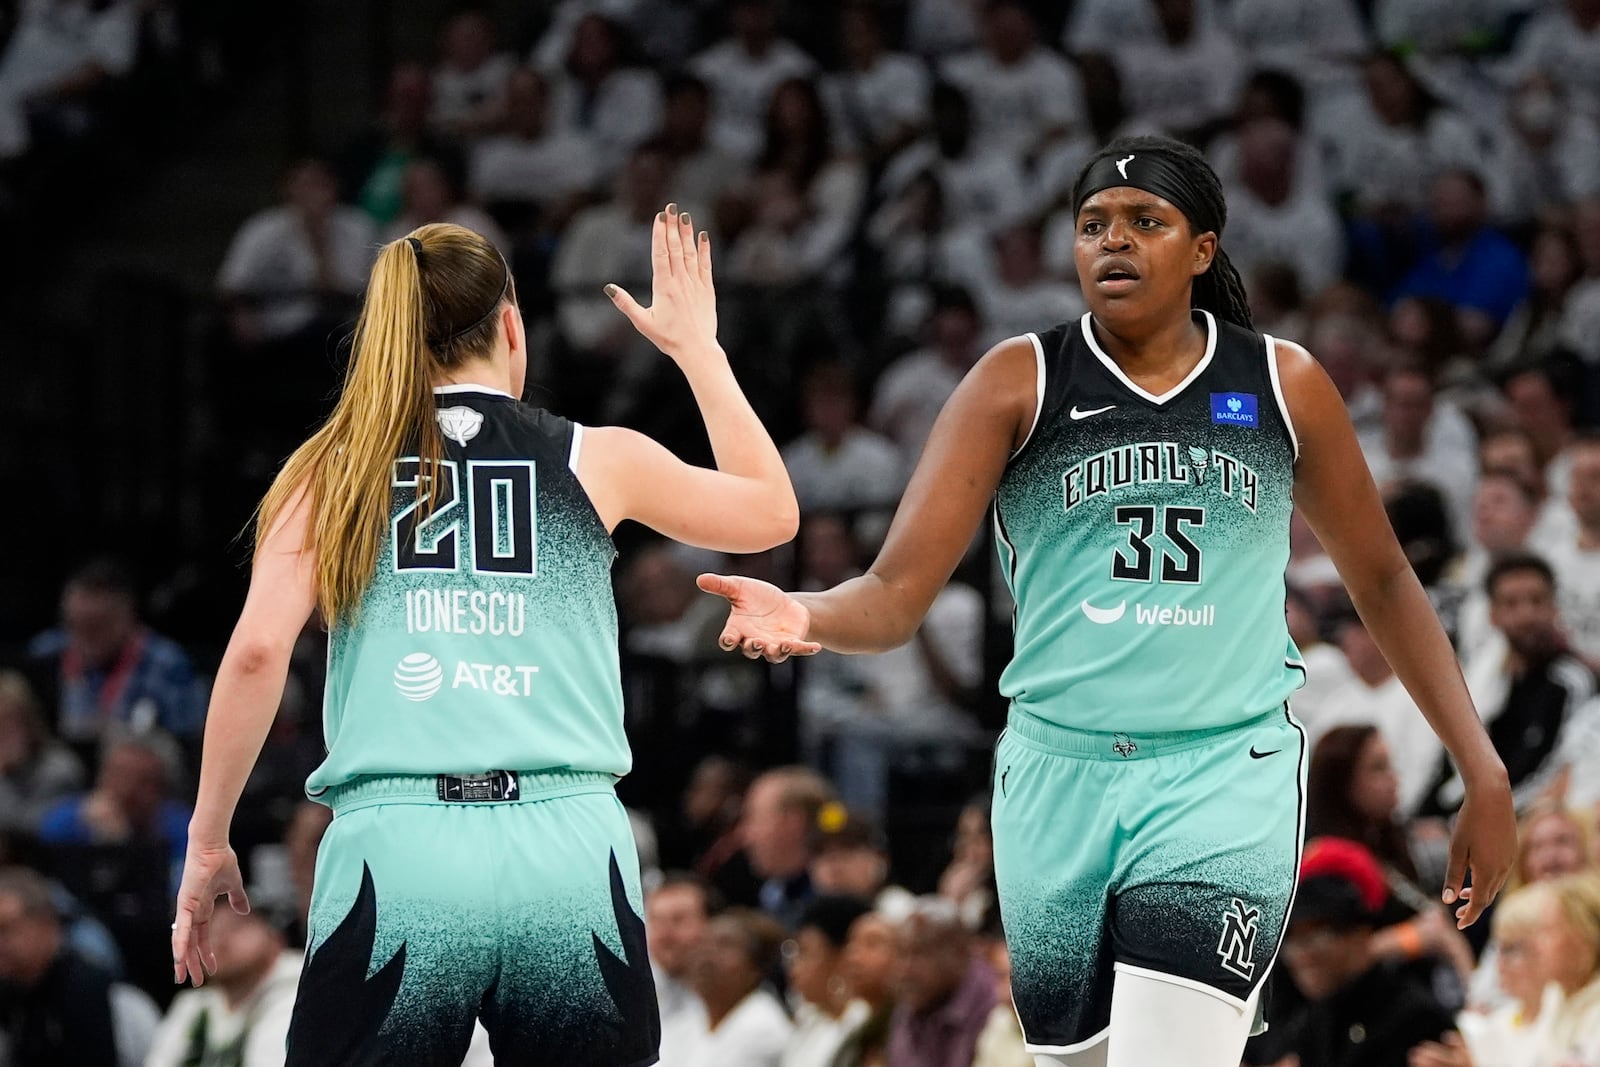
[1335,491]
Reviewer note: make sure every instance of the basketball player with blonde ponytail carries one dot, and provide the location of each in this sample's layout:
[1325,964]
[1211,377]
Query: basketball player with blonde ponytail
[457,544]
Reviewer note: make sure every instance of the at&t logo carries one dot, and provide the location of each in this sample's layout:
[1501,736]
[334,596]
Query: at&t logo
[419,676]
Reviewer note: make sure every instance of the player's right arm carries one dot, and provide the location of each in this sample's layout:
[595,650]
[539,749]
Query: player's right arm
[747,503]
[984,422]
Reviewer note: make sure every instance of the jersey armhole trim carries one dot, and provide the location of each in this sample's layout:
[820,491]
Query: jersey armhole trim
[1038,388]
[577,447]
[1277,392]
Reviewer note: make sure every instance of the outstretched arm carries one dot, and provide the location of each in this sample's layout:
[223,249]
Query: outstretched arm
[983,423]
[244,700]
[747,503]
[1335,490]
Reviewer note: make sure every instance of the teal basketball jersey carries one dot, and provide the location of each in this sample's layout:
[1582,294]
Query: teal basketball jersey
[487,639]
[1144,539]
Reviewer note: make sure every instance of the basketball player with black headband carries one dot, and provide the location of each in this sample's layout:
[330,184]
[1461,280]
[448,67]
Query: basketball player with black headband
[1139,466]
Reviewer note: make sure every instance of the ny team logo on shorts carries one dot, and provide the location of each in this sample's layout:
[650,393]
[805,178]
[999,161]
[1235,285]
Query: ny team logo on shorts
[1238,945]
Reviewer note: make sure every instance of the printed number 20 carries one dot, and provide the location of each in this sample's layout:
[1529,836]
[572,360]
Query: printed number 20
[501,512]
[1180,561]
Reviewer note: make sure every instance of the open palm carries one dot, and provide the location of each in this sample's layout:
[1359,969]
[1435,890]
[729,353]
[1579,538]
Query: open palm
[763,621]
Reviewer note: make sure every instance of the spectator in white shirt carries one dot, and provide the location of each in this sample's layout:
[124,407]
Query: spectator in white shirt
[1314,38]
[1274,216]
[825,1015]
[1106,25]
[743,70]
[702,171]
[431,195]
[470,81]
[1023,95]
[372,166]
[1020,294]
[1186,79]
[596,96]
[241,1015]
[746,1025]
[290,265]
[1540,399]
[1533,333]
[532,164]
[1402,451]
[1504,510]
[879,100]
[937,28]
[61,51]
[1577,558]
[913,390]
[838,464]
[1563,40]
[677,913]
[1544,153]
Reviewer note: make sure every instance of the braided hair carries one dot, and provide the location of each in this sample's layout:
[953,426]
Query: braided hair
[1219,290]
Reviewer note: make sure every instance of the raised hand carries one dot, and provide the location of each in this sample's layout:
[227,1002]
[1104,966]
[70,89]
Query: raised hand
[764,622]
[208,873]
[682,317]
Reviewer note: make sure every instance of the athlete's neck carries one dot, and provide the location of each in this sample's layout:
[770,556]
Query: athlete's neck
[489,373]
[1156,355]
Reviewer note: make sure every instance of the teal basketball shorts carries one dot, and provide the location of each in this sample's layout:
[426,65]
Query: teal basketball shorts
[1172,856]
[510,898]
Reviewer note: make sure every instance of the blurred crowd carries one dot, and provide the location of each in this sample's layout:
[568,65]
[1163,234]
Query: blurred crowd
[1414,194]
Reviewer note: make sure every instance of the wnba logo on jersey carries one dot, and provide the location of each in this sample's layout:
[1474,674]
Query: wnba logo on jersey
[1234,409]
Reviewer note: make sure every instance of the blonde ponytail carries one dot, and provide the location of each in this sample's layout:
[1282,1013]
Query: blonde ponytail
[424,312]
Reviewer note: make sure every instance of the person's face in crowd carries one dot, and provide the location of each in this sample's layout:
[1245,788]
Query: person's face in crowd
[1502,515]
[1017,256]
[709,792]
[1535,108]
[1536,406]
[860,36]
[675,922]
[1553,261]
[828,551]
[1302,622]
[1554,848]
[247,947]
[1374,787]
[1176,18]
[1136,255]
[955,332]
[1562,951]
[527,102]
[933,959]
[1510,454]
[427,192]
[1323,959]
[593,53]
[974,844]
[794,110]
[409,98]
[1583,491]
[98,624]
[28,943]
[644,187]
[1407,407]
[1391,91]
[135,778]
[755,23]
[686,114]
[657,589]
[468,40]
[16,732]
[313,192]
[812,962]
[1520,976]
[868,961]
[1459,210]
[1266,158]
[1341,342]
[774,831]
[1585,13]
[721,969]
[1522,605]
[849,870]
[1362,652]
[829,409]
[1008,32]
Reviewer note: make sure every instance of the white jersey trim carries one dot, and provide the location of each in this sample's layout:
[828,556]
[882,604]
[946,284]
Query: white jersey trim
[1171,394]
[577,447]
[1063,1050]
[1038,390]
[1186,983]
[1277,392]
[469,387]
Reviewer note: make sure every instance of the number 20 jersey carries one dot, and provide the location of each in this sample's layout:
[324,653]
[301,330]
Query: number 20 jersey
[1144,539]
[487,639]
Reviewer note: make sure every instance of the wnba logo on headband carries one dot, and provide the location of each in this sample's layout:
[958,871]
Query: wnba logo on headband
[1122,165]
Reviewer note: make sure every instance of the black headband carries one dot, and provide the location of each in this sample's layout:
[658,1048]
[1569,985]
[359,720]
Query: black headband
[1154,174]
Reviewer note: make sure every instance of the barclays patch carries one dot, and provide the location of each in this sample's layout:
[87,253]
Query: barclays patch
[1234,409]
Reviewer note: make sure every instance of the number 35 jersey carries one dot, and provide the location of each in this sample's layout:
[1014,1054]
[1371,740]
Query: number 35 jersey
[487,639]
[1144,539]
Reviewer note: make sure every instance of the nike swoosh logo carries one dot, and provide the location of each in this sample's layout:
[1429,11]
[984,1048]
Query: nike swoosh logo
[1076,414]
[1104,616]
[1263,755]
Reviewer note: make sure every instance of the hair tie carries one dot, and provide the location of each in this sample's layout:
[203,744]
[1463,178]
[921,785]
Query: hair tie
[416,246]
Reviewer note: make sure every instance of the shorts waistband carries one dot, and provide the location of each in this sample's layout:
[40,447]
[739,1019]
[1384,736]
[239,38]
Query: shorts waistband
[1115,745]
[530,787]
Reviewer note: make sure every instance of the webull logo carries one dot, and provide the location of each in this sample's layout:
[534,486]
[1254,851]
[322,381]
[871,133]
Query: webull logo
[1151,615]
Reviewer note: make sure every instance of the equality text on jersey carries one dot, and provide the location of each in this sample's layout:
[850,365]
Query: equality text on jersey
[1159,462]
